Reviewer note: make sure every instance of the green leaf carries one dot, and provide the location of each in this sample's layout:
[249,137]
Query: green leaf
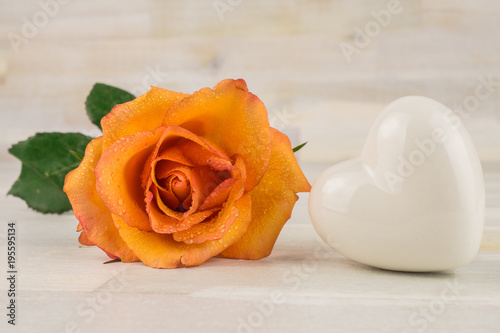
[46,160]
[41,194]
[102,99]
[296,149]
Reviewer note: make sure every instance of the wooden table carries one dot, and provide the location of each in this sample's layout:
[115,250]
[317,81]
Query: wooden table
[289,53]
[304,286]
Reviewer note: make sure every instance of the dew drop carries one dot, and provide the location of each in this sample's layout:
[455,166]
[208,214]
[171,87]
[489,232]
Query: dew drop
[120,201]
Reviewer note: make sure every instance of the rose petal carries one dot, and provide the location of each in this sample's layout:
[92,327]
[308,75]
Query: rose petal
[233,118]
[181,189]
[199,179]
[272,202]
[168,199]
[174,154]
[145,113]
[118,176]
[165,198]
[197,154]
[161,251]
[156,208]
[203,182]
[230,189]
[164,224]
[84,240]
[219,195]
[89,209]
[162,170]
[239,172]
[209,230]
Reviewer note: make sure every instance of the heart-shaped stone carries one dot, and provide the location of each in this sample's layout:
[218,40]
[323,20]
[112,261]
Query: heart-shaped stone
[414,199]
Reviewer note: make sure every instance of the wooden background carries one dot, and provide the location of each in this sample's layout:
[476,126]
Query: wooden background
[287,51]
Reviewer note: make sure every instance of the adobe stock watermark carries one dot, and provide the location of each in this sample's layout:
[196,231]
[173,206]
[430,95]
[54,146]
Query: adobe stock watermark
[372,29]
[280,119]
[422,318]
[292,278]
[221,7]
[88,309]
[426,147]
[12,243]
[153,77]
[31,27]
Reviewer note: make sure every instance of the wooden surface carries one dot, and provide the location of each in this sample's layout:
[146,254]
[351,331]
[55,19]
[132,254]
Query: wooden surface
[289,53]
[303,286]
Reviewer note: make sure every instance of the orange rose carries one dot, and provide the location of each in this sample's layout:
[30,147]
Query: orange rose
[176,179]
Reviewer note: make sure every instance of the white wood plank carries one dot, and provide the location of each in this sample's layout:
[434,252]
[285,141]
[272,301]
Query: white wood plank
[64,287]
[289,54]
[287,51]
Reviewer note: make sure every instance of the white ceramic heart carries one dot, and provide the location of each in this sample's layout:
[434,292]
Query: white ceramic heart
[414,199]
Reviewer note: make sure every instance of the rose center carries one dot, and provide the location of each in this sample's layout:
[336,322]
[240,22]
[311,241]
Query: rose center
[175,190]
[181,188]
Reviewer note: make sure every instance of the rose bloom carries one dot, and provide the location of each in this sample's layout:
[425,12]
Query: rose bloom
[176,179]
